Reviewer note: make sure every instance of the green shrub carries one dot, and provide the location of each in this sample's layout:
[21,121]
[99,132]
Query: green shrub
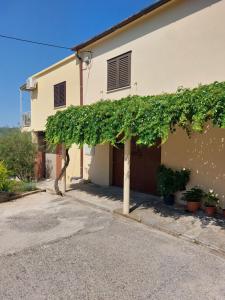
[166,184]
[4,178]
[182,178]
[21,186]
[170,181]
[18,153]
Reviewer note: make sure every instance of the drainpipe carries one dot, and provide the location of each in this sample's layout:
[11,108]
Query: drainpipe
[81,103]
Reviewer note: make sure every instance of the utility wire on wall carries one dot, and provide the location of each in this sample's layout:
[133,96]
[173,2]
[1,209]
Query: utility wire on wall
[33,42]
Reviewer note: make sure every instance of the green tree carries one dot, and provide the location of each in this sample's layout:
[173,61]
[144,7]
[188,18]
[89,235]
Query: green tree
[18,154]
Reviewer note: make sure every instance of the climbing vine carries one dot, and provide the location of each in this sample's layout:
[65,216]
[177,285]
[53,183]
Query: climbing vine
[148,118]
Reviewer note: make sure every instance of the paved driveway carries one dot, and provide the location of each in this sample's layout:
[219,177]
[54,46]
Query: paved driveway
[53,248]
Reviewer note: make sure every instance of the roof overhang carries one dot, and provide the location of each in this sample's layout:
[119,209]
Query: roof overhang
[125,22]
[54,66]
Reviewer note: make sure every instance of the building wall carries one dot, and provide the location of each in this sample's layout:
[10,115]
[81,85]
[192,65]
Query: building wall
[97,165]
[42,98]
[50,165]
[73,169]
[176,45]
[42,103]
[203,154]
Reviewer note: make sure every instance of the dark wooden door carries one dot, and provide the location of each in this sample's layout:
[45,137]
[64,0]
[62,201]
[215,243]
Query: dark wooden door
[144,164]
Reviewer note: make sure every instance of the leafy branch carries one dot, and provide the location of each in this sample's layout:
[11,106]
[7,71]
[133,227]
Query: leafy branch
[148,118]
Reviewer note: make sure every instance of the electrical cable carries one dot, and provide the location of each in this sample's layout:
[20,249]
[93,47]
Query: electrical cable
[33,42]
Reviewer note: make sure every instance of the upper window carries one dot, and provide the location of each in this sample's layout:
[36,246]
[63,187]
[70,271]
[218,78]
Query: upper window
[60,94]
[119,72]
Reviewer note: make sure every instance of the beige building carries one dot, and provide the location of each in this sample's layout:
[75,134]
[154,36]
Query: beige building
[53,89]
[170,44]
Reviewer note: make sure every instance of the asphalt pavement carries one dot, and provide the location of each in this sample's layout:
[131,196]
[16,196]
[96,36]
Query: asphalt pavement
[58,248]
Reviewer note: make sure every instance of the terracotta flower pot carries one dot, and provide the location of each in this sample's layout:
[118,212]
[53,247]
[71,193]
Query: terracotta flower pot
[193,206]
[210,210]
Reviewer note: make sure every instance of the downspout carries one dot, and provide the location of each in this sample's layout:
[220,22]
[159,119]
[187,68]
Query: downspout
[81,103]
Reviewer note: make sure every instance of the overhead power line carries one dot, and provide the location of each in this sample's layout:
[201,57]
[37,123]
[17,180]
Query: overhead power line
[33,42]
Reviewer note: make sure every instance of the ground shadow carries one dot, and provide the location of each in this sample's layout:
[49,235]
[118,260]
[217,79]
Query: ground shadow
[112,193]
[146,201]
[178,211]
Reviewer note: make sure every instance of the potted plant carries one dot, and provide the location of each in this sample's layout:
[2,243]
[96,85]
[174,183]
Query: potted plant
[211,201]
[166,184]
[193,198]
[182,178]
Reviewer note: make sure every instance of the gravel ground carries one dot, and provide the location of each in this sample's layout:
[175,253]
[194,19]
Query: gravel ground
[103,257]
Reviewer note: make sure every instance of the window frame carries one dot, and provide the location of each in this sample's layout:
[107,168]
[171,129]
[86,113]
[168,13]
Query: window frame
[117,59]
[54,91]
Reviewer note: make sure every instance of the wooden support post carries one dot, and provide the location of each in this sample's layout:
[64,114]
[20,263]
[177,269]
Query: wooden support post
[126,182]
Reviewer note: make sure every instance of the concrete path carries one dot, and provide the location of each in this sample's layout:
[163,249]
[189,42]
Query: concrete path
[58,248]
[41,218]
[151,211]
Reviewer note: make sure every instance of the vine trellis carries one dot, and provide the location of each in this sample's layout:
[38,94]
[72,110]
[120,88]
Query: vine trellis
[148,118]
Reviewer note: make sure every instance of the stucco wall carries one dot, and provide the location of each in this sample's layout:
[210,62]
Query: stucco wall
[175,45]
[42,102]
[203,154]
[97,165]
[42,99]
[73,169]
[180,44]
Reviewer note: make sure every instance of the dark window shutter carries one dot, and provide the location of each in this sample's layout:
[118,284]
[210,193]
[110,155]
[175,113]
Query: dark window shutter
[112,74]
[119,71]
[124,70]
[60,94]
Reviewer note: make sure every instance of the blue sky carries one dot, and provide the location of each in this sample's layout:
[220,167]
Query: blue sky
[63,22]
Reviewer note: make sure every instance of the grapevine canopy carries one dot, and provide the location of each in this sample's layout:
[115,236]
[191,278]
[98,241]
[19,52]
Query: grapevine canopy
[148,118]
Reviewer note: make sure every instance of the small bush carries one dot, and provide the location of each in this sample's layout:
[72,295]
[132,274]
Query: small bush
[4,178]
[182,178]
[166,184]
[21,186]
[18,153]
[170,181]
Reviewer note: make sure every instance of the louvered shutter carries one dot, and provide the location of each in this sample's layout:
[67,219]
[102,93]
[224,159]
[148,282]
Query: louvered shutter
[60,94]
[124,70]
[119,72]
[112,74]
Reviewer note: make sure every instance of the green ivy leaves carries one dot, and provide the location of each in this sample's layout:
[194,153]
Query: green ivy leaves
[148,118]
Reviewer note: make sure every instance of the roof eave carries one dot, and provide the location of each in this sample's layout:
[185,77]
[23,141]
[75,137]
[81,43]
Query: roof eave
[121,24]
